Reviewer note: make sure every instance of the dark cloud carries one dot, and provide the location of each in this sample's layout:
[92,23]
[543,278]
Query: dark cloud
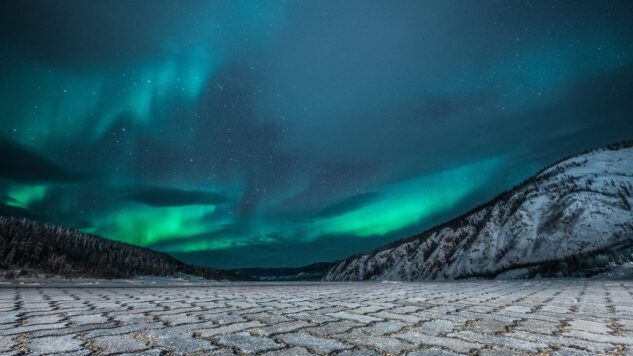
[81,224]
[596,108]
[18,212]
[156,196]
[83,32]
[19,164]
[347,205]
[7,199]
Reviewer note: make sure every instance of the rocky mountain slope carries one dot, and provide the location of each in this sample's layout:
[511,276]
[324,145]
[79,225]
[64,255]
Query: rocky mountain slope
[574,218]
[28,247]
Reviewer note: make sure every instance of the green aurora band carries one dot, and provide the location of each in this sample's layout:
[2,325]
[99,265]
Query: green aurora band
[397,114]
[400,205]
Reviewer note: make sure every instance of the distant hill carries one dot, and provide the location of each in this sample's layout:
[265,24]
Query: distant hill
[313,272]
[30,247]
[574,218]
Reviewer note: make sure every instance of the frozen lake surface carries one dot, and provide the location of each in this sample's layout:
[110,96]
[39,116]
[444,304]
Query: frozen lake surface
[175,316]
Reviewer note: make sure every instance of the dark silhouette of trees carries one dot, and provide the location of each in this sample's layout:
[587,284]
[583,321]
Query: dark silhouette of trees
[26,245]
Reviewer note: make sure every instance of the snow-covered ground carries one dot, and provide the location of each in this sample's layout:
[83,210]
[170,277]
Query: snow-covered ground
[59,281]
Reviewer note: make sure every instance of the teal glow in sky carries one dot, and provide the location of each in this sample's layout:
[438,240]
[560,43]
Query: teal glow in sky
[273,133]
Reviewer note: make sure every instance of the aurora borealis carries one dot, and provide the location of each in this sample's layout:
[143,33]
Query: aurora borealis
[282,133]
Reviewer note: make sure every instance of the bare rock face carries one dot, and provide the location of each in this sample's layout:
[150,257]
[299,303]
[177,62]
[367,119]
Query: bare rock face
[574,218]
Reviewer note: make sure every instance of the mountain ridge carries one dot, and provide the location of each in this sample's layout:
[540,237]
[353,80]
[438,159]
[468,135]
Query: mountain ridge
[380,264]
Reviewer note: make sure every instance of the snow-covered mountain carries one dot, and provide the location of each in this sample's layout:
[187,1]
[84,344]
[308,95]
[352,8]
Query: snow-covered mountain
[573,218]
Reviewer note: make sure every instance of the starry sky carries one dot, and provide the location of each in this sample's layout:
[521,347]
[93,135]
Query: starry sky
[282,133]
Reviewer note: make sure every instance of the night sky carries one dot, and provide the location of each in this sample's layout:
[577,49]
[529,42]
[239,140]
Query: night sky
[271,133]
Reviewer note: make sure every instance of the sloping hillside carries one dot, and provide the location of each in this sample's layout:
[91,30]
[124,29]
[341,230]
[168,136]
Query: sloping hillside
[28,246]
[573,218]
